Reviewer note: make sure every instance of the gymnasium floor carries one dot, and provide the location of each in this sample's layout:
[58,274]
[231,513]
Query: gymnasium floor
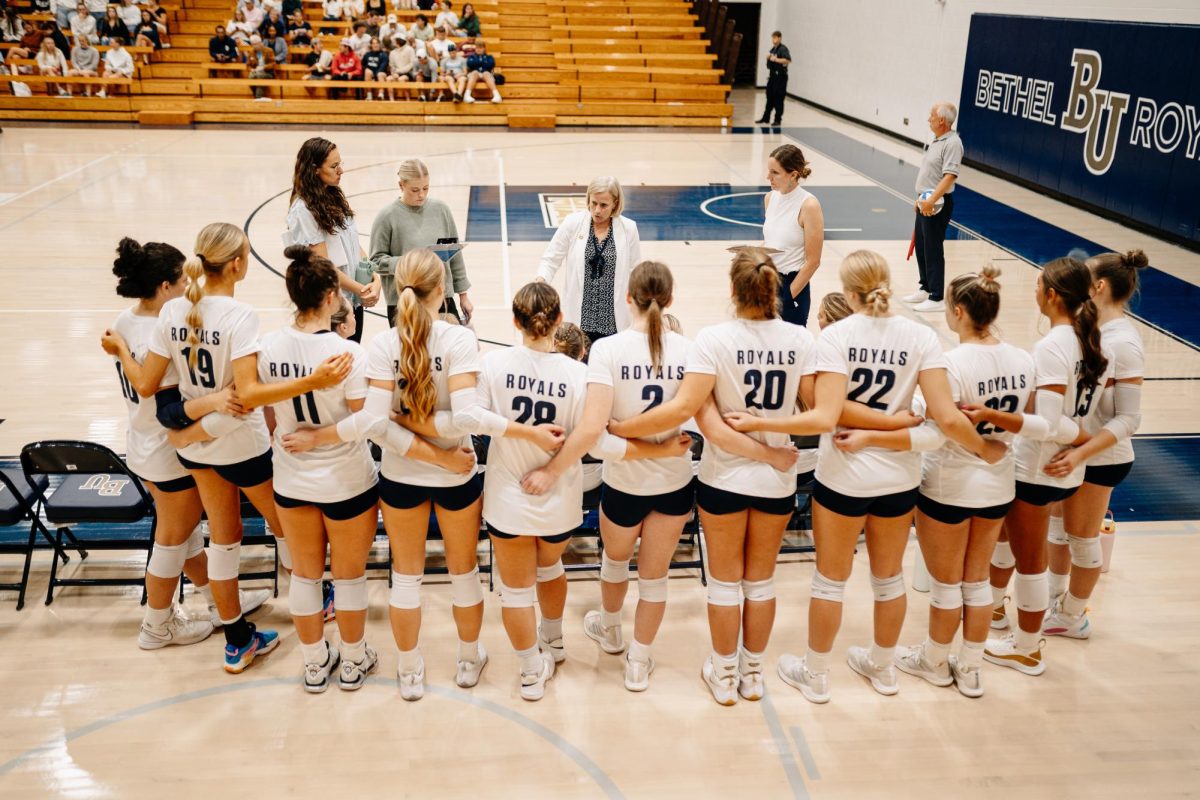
[86,714]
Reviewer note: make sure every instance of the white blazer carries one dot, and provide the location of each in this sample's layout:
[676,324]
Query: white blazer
[567,247]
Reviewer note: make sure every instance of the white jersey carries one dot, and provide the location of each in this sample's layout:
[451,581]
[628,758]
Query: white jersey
[997,376]
[882,358]
[453,350]
[147,450]
[229,331]
[623,362]
[532,387]
[758,365]
[1058,361]
[331,473]
[1123,346]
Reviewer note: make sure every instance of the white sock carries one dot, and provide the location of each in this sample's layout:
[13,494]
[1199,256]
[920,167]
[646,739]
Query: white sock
[817,663]
[468,651]
[882,656]
[410,660]
[970,655]
[610,619]
[531,660]
[157,617]
[936,653]
[552,628]
[354,652]
[1058,583]
[745,656]
[1073,606]
[314,653]
[998,596]
[725,662]
[639,651]
[1027,641]
[206,590]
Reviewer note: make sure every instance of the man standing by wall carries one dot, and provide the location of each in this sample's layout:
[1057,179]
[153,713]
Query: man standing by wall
[939,171]
[777,66]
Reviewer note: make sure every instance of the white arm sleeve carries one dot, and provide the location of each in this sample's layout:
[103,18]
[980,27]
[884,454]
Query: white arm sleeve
[472,417]
[398,439]
[369,419]
[443,423]
[217,425]
[925,437]
[1034,428]
[1127,403]
[1049,408]
[609,448]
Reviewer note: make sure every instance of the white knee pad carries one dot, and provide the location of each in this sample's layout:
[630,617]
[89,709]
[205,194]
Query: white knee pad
[652,590]
[224,560]
[551,572]
[517,597]
[886,589]
[349,594]
[1002,556]
[759,591]
[166,561]
[195,542]
[304,596]
[1033,592]
[1057,533]
[465,589]
[825,589]
[613,571]
[976,593]
[722,593]
[406,591]
[947,596]
[285,553]
[1085,552]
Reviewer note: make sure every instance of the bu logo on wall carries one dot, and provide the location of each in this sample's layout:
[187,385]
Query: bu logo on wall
[1107,113]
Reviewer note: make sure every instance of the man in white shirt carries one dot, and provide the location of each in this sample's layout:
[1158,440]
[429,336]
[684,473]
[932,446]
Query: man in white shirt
[117,63]
[361,40]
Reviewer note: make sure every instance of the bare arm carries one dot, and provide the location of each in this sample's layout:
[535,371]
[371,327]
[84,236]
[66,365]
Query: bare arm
[830,397]
[716,431]
[252,393]
[145,377]
[812,221]
[939,402]
[694,389]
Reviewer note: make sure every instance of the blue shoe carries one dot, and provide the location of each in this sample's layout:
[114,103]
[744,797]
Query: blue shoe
[261,643]
[328,612]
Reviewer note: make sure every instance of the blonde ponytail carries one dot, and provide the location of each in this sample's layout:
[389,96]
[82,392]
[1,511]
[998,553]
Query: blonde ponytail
[217,244]
[193,268]
[418,276]
[865,275]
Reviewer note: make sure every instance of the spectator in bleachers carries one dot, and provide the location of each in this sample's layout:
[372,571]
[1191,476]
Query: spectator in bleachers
[85,63]
[374,24]
[346,64]
[375,67]
[265,53]
[117,63]
[439,45]
[468,23]
[222,48]
[83,26]
[377,8]
[404,5]
[332,11]
[130,14]
[146,35]
[277,44]
[41,6]
[50,62]
[113,26]
[267,5]
[275,21]
[319,62]
[361,40]
[31,42]
[355,9]
[401,63]
[161,16]
[421,29]
[446,19]
[424,71]
[391,30]
[290,7]
[60,39]
[300,32]
[12,28]
[481,67]
[453,69]
[96,8]
[426,5]
[63,11]
[238,28]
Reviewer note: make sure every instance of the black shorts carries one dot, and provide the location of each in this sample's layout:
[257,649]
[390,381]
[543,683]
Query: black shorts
[243,474]
[174,485]
[718,501]
[451,498]
[557,538]
[1037,495]
[1108,475]
[955,515]
[888,505]
[339,511]
[628,510]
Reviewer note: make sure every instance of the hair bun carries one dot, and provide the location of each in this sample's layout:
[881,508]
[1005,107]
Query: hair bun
[129,257]
[987,278]
[300,253]
[1135,259]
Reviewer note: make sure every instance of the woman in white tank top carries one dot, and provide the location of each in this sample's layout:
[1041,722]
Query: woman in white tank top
[794,225]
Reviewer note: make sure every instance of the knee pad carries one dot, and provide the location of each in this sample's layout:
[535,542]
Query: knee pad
[349,594]
[1033,592]
[976,593]
[947,596]
[285,552]
[304,596]
[886,589]
[721,593]
[1002,556]
[1057,533]
[652,590]
[613,571]
[465,589]
[224,560]
[825,589]
[517,597]
[1085,552]
[195,542]
[406,591]
[166,561]
[759,591]
[551,572]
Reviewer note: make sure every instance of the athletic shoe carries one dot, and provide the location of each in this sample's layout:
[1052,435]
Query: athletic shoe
[328,612]
[750,682]
[250,601]
[353,674]
[178,629]
[1059,623]
[469,98]
[930,306]
[412,684]
[554,648]
[261,643]
[794,672]
[102,93]
[457,97]
[1005,653]
[469,671]
[316,676]
[1000,616]
[919,296]
[637,674]
[496,97]
[533,684]
[967,680]
[912,660]
[610,639]
[883,679]
[722,681]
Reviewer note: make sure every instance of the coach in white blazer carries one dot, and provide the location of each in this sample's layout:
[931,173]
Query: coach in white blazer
[599,247]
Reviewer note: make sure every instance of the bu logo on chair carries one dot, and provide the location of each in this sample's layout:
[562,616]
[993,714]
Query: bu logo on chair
[105,487]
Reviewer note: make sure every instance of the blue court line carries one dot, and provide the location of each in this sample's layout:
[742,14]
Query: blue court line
[810,763]
[1167,303]
[784,749]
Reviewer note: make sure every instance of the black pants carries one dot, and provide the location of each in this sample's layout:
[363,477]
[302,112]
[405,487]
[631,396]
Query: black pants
[776,93]
[448,307]
[795,309]
[359,313]
[931,248]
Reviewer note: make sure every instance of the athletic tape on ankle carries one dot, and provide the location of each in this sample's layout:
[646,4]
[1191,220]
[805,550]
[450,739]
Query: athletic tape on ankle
[1032,592]
[825,589]
[555,570]
[350,594]
[977,593]
[466,590]
[195,542]
[886,589]
[285,553]
[517,597]
[1002,556]
[304,596]
[947,596]
[406,591]
[1056,534]
[1085,551]
[722,593]
[166,561]
[759,591]
[613,571]
[652,590]
[224,561]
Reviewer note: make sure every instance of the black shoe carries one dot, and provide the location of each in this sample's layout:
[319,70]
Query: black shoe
[760,122]
[777,122]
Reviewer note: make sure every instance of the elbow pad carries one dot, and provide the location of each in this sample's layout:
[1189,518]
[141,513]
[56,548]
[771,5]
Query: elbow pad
[169,409]
[1127,405]
[369,419]
[609,448]
[1066,432]
[1034,428]
[924,438]
[472,417]
[1049,407]
[217,425]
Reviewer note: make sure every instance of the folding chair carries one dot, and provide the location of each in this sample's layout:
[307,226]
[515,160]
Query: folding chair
[19,503]
[802,517]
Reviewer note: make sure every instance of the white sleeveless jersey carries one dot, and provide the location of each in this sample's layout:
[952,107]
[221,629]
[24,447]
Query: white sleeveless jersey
[758,365]
[1123,346]
[532,387]
[331,473]
[882,358]
[623,362]
[453,350]
[998,376]
[147,450]
[1058,361]
[229,331]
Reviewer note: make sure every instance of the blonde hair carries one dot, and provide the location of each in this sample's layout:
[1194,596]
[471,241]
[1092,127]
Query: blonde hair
[834,307]
[671,323]
[651,287]
[978,295]
[755,283]
[449,318]
[607,183]
[570,340]
[217,244]
[865,275]
[418,276]
[411,169]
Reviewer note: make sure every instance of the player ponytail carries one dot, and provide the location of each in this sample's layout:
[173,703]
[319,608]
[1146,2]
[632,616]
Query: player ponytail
[1071,280]
[141,269]
[537,309]
[977,295]
[651,287]
[754,282]
[218,244]
[1119,271]
[833,308]
[419,276]
[865,277]
[310,278]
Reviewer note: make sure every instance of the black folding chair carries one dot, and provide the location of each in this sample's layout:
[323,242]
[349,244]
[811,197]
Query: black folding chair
[18,504]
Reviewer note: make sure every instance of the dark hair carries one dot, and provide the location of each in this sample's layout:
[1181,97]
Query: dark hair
[536,308]
[328,204]
[422,18]
[1120,271]
[791,158]
[339,317]
[310,278]
[979,295]
[777,33]
[755,283]
[1071,280]
[141,269]
[651,287]
[570,340]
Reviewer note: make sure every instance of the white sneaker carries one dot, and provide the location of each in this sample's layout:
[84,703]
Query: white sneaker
[637,674]
[967,680]
[919,296]
[496,97]
[353,675]
[554,648]
[102,93]
[262,99]
[250,601]
[794,672]
[1005,653]
[533,684]
[912,660]
[468,99]
[370,96]
[1000,617]
[469,671]
[316,676]
[610,639]
[750,678]
[178,629]
[1059,623]
[412,684]
[722,681]
[930,306]
[883,679]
